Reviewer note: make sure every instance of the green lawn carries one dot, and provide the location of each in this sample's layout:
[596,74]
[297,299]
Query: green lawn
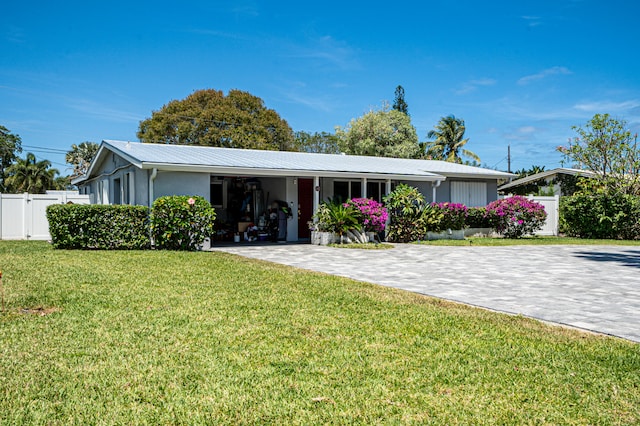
[210,338]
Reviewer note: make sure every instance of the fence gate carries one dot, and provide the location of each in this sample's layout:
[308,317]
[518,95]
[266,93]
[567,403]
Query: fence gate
[552,207]
[24,216]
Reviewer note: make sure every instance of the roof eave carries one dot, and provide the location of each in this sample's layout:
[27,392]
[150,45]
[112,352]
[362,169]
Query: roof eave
[254,171]
[478,176]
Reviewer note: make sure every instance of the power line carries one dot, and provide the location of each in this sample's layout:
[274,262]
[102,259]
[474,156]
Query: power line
[45,149]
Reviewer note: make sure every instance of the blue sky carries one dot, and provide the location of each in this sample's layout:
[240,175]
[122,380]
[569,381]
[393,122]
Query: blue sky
[519,73]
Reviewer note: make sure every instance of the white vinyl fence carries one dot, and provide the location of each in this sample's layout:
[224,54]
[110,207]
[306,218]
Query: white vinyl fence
[552,207]
[24,216]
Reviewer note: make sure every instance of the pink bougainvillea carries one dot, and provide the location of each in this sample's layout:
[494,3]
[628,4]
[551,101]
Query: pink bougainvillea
[373,215]
[454,215]
[516,216]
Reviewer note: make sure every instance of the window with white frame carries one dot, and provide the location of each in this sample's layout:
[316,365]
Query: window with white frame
[346,189]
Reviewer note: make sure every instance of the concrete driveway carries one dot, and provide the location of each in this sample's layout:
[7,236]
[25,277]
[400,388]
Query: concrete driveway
[596,288]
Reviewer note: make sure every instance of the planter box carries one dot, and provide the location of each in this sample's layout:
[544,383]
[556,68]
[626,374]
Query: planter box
[323,238]
[457,234]
[478,232]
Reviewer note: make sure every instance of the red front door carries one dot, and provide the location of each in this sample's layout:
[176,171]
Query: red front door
[305,206]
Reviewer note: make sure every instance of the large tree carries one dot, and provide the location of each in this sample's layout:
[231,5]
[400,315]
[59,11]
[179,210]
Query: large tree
[80,157]
[448,141]
[323,142]
[399,103]
[605,146]
[10,147]
[208,117]
[383,133]
[30,175]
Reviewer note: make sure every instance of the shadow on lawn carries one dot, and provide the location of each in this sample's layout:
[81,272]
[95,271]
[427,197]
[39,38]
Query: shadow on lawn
[630,258]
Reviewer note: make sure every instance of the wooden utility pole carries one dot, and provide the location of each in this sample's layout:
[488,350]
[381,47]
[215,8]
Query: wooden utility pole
[509,158]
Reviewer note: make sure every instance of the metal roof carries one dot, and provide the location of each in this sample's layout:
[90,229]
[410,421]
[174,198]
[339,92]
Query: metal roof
[259,162]
[546,174]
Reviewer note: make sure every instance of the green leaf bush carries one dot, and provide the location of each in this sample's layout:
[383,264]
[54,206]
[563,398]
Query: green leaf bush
[601,214]
[181,222]
[410,215]
[99,227]
[477,218]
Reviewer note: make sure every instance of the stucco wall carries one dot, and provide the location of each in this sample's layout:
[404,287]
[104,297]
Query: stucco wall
[182,183]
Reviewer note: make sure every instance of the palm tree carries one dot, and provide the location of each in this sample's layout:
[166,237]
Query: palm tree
[30,175]
[449,141]
[80,157]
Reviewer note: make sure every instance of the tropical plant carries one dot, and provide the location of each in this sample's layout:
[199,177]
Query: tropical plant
[410,215]
[515,217]
[30,175]
[448,144]
[10,147]
[80,157]
[531,187]
[181,222]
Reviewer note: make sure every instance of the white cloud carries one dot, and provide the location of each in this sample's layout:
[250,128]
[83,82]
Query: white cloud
[526,129]
[532,21]
[607,106]
[328,50]
[472,85]
[100,111]
[543,74]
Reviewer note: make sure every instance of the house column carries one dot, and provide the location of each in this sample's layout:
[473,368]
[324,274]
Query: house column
[387,190]
[316,193]
[363,190]
[152,177]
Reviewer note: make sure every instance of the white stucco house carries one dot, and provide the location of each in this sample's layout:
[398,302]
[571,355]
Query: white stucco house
[241,184]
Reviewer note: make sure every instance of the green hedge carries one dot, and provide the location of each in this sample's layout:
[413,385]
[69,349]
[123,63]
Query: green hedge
[105,227]
[601,215]
[181,222]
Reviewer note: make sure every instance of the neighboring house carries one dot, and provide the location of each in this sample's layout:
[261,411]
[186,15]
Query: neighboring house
[547,182]
[243,184]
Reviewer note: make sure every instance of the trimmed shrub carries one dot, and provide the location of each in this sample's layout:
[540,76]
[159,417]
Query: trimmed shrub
[601,215]
[454,216]
[476,218]
[181,222]
[105,227]
[516,216]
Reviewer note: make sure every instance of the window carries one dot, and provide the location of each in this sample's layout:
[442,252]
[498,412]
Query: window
[344,190]
[341,190]
[218,193]
[117,191]
[102,194]
[376,190]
